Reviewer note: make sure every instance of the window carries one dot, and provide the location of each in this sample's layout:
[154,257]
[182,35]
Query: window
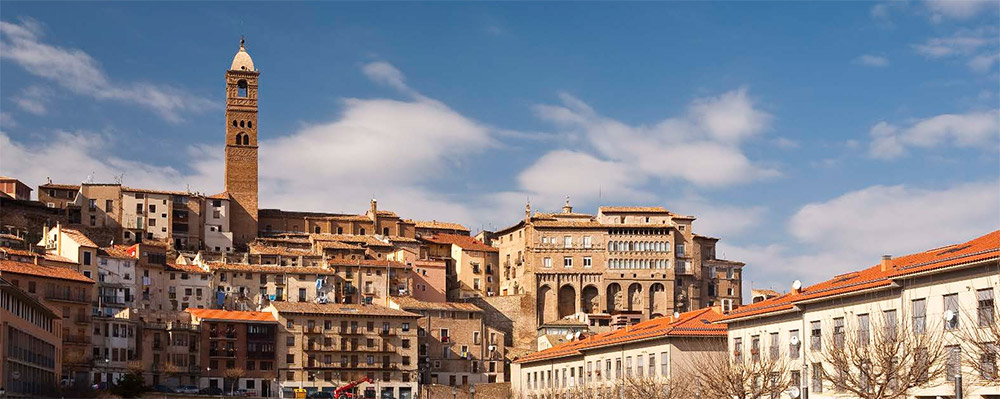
[838,332]
[775,350]
[985,311]
[889,318]
[586,242]
[108,205]
[755,348]
[815,336]
[951,305]
[919,315]
[567,261]
[241,88]
[567,242]
[793,348]
[547,262]
[639,366]
[664,364]
[988,362]
[738,349]
[864,330]
[86,258]
[587,261]
[817,378]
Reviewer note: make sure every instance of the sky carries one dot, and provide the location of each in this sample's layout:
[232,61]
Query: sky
[810,137]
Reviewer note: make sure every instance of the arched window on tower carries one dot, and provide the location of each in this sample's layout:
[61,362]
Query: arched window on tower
[241,89]
[246,139]
[250,124]
[239,138]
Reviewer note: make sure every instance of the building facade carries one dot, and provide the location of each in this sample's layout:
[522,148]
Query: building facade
[455,345]
[31,348]
[943,291]
[624,265]
[324,346]
[655,350]
[238,350]
[241,145]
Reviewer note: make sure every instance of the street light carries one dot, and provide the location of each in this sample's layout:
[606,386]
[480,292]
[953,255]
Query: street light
[472,391]
[454,393]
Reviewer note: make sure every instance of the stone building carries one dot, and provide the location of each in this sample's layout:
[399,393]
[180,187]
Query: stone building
[938,293]
[168,348]
[622,266]
[114,339]
[455,345]
[241,146]
[31,346]
[24,221]
[471,265]
[323,346]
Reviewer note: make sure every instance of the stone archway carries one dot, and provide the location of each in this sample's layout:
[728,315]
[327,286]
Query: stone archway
[590,299]
[657,300]
[634,297]
[615,298]
[567,301]
[546,302]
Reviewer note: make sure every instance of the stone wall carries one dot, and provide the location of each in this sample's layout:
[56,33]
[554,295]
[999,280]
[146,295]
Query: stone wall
[514,315]
[483,391]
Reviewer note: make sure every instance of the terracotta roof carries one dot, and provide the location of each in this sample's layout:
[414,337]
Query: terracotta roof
[367,262]
[465,242]
[57,258]
[10,237]
[290,240]
[116,251]
[387,214]
[402,239]
[314,215]
[352,238]
[983,248]
[339,309]
[18,252]
[62,273]
[186,268]
[231,315]
[60,186]
[409,303]
[223,195]
[79,237]
[434,224]
[633,209]
[698,323]
[239,267]
[256,249]
[337,245]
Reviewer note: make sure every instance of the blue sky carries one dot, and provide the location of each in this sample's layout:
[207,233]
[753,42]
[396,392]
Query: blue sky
[810,137]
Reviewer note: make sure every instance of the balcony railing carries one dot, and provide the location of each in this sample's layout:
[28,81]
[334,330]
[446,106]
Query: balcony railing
[222,352]
[66,296]
[76,338]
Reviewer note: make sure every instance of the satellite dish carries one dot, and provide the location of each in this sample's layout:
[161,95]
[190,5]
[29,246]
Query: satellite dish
[794,392]
[569,337]
[797,285]
[577,335]
[949,315]
[794,340]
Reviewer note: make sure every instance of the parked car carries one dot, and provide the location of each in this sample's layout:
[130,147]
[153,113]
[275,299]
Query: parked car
[239,392]
[187,389]
[321,395]
[210,391]
[162,388]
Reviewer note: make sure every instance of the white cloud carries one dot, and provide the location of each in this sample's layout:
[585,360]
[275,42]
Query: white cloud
[957,9]
[959,130]
[984,62]
[80,73]
[786,143]
[720,220]
[960,44]
[581,176]
[851,232]
[872,60]
[33,99]
[700,147]
[7,121]
[386,74]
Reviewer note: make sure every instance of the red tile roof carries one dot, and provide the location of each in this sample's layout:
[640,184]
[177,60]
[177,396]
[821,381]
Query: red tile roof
[116,251]
[223,195]
[464,242]
[980,249]
[186,268]
[339,309]
[238,267]
[698,323]
[62,273]
[633,209]
[61,186]
[409,303]
[434,224]
[231,315]
[79,237]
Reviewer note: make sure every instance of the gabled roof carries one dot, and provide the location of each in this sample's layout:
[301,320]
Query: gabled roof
[698,323]
[465,242]
[275,269]
[74,187]
[186,268]
[633,209]
[434,224]
[257,249]
[223,195]
[980,249]
[79,237]
[61,273]
[116,251]
[231,315]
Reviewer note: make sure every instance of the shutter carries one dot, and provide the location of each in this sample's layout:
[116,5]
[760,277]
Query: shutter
[984,295]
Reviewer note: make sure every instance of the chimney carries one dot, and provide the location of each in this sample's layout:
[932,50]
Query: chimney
[527,211]
[886,262]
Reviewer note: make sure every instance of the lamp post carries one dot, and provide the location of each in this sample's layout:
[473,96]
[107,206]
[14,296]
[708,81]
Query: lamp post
[958,373]
[454,393]
[472,391]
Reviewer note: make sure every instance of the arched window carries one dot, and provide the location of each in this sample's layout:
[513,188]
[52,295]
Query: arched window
[340,230]
[242,124]
[362,231]
[316,229]
[234,123]
[246,139]
[241,89]
[239,138]
[250,124]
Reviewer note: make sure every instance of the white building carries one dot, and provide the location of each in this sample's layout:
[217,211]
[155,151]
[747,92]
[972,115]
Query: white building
[656,349]
[948,288]
[218,237]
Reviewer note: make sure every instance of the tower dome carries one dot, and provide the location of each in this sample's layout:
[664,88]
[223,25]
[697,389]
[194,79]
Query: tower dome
[242,60]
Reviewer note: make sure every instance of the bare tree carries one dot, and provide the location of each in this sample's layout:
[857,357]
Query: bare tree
[234,374]
[979,334]
[718,375]
[626,388]
[878,357]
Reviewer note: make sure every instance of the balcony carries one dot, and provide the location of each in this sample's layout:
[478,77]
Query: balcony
[82,319]
[76,338]
[312,330]
[351,331]
[66,296]
[229,353]
[222,334]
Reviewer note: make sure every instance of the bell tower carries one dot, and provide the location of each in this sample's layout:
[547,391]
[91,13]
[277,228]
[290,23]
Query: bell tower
[241,146]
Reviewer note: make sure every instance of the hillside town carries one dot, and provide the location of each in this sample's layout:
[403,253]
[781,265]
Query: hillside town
[202,293]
